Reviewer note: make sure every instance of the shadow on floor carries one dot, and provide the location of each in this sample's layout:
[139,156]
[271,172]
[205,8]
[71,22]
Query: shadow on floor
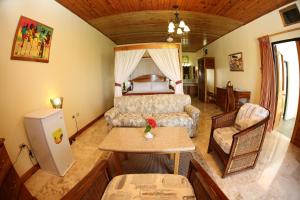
[154,163]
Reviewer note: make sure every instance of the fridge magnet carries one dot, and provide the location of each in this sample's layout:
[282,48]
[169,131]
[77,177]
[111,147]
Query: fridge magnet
[57,136]
[32,41]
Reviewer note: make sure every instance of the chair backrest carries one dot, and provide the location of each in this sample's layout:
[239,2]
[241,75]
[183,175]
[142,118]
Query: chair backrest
[147,104]
[250,114]
[204,186]
[230,100]
[93,185]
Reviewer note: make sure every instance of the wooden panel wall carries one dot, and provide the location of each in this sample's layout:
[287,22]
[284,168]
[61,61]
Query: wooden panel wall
[140,21]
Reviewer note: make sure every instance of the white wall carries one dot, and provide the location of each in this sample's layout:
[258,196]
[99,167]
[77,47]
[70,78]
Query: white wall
[245,40]
[80,69]
[290,54]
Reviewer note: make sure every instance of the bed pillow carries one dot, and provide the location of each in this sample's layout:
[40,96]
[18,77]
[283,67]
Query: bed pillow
[140,87]
[160,86]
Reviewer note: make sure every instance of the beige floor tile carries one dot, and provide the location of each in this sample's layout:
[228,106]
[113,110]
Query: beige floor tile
[276,176]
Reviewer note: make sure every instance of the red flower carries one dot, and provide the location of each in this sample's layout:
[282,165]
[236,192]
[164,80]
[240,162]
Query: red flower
[152,122]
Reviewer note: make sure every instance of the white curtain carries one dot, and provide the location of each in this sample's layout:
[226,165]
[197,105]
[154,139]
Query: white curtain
[125,63]
[167,61]
[146,66]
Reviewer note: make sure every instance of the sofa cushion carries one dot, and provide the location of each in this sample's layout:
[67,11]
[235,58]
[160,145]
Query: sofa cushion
[163,103]
[149,186]
[223,136]
[250,114]
[134,104]
[181,119]
[169,103]
[129,120]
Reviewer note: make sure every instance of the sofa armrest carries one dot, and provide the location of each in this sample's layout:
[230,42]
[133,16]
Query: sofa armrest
[111,114]
[192,111]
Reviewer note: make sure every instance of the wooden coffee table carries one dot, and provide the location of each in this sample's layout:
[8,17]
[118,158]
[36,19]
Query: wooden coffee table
[167,140]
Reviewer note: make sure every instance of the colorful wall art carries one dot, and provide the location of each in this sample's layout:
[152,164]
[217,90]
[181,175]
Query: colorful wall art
[32,41]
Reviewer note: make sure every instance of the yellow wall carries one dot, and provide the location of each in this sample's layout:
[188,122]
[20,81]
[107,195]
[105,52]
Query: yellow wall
[192,57]
[80,69]
[244,39]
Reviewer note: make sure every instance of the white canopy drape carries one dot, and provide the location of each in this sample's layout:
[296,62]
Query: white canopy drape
[167,61]
[125,63]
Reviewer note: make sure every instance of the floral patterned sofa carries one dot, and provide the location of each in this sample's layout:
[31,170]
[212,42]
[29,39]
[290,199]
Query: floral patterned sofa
[166,109]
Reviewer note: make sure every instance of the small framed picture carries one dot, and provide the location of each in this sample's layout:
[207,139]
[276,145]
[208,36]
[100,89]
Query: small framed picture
[32,41]
[236,62]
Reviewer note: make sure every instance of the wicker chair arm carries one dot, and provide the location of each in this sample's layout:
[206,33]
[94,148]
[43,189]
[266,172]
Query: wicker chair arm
[224,120]
[250,139]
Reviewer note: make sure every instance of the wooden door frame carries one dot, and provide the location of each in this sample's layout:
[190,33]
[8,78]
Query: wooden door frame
[278,58]
[297,40]
[286,67]
[298,112]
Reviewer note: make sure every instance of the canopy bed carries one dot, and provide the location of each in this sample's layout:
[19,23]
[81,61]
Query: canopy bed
[166,79]
[149,84]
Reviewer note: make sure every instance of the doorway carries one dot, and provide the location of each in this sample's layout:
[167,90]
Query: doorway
[287,85]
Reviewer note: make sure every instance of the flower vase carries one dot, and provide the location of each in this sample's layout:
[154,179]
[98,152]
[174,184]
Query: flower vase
[149,135]
[151,123]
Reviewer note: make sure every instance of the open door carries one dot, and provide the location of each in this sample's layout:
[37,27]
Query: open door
[280,88]
[296,134]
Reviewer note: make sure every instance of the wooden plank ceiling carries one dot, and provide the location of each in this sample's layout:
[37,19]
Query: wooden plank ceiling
[137,21]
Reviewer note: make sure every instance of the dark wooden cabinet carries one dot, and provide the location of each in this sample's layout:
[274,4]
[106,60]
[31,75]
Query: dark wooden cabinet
[190,89]
[203,64]
[240,97]
[11,186]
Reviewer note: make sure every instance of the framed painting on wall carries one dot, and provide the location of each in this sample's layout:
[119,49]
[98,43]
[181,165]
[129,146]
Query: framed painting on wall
[32,41]
[236,62]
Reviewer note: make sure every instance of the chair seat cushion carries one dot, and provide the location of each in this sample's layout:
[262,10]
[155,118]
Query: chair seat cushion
[129,120]
[149,186]
[223,136]
[181,119]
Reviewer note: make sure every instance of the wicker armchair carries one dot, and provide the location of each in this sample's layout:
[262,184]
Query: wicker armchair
[237,137]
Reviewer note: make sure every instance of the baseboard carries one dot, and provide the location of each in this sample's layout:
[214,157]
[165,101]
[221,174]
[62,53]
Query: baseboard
[29,173]
[73,137]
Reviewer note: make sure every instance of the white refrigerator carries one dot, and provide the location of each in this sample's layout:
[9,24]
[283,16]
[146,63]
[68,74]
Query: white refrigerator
[49,140]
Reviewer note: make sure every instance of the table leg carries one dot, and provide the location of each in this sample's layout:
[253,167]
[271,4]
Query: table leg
[118,167]
[176,162]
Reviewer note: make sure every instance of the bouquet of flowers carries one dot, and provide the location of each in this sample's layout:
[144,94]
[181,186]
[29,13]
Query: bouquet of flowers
[151,123]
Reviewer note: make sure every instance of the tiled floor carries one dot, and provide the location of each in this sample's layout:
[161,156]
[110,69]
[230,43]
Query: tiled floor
[276,176]
[286,127]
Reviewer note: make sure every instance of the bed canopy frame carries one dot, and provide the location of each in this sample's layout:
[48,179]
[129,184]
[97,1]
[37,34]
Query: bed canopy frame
[167,57]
